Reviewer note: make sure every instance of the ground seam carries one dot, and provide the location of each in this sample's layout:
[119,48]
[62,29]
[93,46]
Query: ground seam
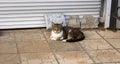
[51,48]
[87,53]
[107,42]
[18,52]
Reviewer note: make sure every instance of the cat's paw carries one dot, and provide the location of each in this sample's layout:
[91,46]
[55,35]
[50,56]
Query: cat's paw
[61,38]
[64,40]
[53,38]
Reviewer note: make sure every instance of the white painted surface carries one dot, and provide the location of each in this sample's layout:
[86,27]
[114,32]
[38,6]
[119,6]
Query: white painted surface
[30,13]
[107,11]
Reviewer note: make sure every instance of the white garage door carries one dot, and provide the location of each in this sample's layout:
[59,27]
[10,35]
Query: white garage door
[30,13]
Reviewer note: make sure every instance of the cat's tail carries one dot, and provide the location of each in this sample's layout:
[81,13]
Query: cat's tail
[74,40]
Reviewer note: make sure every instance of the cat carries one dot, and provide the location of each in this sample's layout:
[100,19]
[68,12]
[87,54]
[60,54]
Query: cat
[66,34]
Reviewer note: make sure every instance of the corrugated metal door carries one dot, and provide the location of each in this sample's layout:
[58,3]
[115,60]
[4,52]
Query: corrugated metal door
[30,13]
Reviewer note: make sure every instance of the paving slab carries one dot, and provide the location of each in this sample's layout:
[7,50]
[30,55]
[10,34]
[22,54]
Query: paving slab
[59,46]
[9,59]
[7,36]
[33,46]
[38,58]
[95,44]
[8,47]
[29,36]
[27,30]
[91,35]
[73,57]
[114,42]
[109,34]
[105,56]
